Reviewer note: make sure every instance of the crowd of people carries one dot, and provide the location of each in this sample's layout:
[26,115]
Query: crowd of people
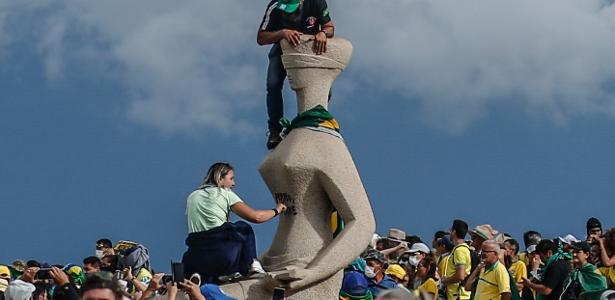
[489,265]
[116,272]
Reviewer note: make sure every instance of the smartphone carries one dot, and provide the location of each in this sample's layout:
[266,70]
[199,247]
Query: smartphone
[118,275]
[166,279]
[177,270]
[43,273]
[279,294]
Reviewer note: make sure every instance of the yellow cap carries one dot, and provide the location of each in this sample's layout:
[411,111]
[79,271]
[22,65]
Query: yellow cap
[397,271]
[5,272]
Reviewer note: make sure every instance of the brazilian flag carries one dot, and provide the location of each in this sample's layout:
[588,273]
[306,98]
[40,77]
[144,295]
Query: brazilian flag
[337,224]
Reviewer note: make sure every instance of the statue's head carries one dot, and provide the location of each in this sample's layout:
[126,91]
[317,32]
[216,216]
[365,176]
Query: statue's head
[305,68]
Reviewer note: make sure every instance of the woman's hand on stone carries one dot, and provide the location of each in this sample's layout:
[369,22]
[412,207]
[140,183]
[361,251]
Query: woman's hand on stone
[280,207]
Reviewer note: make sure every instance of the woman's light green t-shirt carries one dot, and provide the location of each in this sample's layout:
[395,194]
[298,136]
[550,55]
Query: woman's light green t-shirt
[209,208]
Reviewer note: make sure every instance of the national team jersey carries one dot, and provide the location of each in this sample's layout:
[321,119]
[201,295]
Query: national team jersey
[308,18]
[460,256]
[492,282]
[518,270]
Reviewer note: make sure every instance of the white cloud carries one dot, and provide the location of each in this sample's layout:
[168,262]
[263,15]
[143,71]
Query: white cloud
[457,58]
[185,66]
[194,65]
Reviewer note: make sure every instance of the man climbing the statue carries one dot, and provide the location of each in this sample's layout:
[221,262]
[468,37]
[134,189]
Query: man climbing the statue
[289,19]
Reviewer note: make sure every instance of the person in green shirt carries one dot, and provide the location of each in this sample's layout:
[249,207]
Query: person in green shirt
[216,246]
[585,281]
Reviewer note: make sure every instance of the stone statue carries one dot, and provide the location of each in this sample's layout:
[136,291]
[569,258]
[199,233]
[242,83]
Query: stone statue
[313,173]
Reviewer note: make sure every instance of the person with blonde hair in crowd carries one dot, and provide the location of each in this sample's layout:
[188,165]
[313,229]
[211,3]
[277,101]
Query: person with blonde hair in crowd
[216,246]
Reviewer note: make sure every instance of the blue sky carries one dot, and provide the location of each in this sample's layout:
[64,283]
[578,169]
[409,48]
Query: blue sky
[110,113]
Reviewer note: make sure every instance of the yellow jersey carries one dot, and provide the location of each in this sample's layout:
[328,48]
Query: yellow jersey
[460,257]
[492,282]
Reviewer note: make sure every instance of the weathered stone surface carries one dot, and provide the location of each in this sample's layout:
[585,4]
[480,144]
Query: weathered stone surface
[313,173]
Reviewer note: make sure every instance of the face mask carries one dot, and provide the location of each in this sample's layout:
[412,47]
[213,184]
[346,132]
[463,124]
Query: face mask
[100,254]
[414,260]
[369,272]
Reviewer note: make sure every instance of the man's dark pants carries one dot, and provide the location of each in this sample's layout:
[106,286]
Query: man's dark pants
[275,82]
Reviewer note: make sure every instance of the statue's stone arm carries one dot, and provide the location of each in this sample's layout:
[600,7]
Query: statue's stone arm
[347,194]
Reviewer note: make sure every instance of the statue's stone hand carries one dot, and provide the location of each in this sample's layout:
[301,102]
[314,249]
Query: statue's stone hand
[297,278]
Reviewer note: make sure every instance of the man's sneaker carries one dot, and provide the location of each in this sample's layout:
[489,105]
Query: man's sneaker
[196,278]
[256,267]
[273,139]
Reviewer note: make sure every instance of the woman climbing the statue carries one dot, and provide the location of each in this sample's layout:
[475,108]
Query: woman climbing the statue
[216,246]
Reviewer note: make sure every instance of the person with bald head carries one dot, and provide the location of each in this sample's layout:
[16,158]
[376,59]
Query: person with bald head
[493,278]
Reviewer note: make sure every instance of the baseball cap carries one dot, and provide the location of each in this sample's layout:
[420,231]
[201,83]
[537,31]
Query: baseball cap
[19,265]
[418,247]
[354,284]
[397,271]
[76,272]
[358,264]
[288,6]
[446,242]
[593,223]
[568,239]
[5,273]
[375,255]
[531,249]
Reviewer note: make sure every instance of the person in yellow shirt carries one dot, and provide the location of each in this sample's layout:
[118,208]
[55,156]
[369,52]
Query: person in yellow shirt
[517,269]
[494,280]
[444,246]
[607,254]
[426,275]
[459,264]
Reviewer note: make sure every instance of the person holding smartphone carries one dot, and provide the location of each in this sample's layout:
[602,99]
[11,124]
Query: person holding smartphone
[216,246]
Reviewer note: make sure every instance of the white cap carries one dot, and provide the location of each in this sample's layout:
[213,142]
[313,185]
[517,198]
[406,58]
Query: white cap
[568,239]
[531,249]
[418,247]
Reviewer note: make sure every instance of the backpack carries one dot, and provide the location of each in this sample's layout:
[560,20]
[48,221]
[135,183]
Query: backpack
[452,256]
[131,254]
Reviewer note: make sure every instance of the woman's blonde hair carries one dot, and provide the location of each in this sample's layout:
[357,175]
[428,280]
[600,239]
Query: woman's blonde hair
[215,174]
